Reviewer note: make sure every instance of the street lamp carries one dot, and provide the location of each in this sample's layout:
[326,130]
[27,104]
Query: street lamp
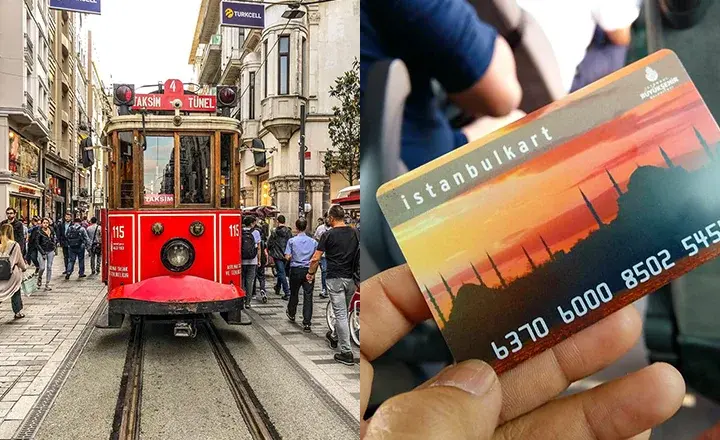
[293,11]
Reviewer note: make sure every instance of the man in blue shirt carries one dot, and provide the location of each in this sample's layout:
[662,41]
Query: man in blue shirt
[443,40]
[299,251]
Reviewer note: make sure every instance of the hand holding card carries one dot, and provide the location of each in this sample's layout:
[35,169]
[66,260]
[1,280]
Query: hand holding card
[525,237]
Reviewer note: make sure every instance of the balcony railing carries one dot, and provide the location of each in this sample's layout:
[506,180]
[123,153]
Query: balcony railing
[29,102]
[29,51]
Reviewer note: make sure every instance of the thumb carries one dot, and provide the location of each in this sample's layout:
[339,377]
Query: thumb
[463,402]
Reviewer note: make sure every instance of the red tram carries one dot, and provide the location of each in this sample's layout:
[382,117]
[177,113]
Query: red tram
[172,230]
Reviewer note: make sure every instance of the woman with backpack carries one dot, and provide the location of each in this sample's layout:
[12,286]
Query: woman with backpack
[45,243]
[12,266]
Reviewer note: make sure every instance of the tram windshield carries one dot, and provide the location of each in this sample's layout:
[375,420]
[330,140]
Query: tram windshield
[149,176]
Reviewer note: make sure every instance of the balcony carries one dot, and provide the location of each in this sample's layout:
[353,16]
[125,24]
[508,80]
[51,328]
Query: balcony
[65,81]
[250,129]
[29,103]
[29,52]
[65,44]
[231,72]
[281,115]
[252,39]
[65,118]
[209,71]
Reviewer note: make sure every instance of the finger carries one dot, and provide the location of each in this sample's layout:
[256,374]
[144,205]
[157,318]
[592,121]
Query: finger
[463,403]
[543,377]
[366,380]
[392,306]
[616,410]
[642,436]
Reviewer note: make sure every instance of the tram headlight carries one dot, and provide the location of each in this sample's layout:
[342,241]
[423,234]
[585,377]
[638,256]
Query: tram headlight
[197,228]
[177,255]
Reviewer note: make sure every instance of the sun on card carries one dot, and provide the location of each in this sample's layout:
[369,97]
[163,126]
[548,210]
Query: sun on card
[524,237]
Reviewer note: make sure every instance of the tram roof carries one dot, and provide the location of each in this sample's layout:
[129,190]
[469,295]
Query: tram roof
[156,123]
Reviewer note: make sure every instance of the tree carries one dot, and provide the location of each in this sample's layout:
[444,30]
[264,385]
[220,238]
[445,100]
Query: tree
[344,127]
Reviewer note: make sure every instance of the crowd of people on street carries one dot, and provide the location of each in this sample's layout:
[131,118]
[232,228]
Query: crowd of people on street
[332,248]
[35,245]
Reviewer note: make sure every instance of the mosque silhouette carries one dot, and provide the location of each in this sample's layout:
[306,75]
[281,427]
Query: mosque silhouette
[662,205]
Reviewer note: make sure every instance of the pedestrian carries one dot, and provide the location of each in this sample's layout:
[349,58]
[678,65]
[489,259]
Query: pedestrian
[32,250]
[322,228]
[340,246]
[260,226]
[60,230]
[77,241]
[299,252]
[94,233]
[276,248]
[45,243]
[12,266]
[18,228]
[250,248]
[84,222]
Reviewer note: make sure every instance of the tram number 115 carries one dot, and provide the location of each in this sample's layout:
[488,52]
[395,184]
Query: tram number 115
[118,231]
[234,230]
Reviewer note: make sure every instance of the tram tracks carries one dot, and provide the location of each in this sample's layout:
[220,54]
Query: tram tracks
[126,422]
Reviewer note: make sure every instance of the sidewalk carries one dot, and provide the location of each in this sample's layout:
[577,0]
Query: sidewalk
[310,350]
[32,349]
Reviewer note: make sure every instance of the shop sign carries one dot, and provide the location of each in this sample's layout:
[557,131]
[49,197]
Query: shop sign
[26,190]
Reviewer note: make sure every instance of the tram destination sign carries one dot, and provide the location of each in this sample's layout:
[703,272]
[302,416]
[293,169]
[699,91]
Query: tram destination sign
[245,15]
[85,6]
[173,90]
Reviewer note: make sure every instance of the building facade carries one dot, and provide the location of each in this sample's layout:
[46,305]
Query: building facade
[24,98]
[46,108]
[288,63]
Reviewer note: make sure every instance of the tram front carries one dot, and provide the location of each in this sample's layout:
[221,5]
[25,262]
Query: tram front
[172,231]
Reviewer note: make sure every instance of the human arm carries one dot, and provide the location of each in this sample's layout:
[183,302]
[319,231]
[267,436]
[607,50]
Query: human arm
[19,260]
[468,400]
[472,62]
[288,250]
[615,18]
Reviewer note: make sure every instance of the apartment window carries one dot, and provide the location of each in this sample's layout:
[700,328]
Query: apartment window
[251,97]
[265,81]
[284,65]
[303,71]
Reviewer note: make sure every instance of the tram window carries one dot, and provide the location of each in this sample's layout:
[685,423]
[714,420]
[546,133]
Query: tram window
[159,170]
[226,170]
[195,170]
[127,190]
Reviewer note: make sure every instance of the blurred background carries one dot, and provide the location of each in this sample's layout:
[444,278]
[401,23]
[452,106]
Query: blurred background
[681,324]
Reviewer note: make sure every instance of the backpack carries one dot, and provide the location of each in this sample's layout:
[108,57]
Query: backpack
[249,248]
[278,242]
[6,269]
[74,237]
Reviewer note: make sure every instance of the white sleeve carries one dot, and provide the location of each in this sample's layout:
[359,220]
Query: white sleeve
[611,15]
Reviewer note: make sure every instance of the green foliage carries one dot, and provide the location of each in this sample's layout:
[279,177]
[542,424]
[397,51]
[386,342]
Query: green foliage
[344,127]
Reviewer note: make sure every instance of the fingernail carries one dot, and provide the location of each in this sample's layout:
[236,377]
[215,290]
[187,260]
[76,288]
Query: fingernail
[473,376]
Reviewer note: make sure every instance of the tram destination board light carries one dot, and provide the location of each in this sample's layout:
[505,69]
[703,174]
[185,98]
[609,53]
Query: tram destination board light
[124,97]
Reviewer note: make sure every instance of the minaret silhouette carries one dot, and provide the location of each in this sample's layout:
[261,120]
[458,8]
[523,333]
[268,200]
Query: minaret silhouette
[547,248]
[435,304]
[703,143]
[497,271]
[667,159]
[615,184]
[449,290]
[532,263]
[477,275]
[592,209]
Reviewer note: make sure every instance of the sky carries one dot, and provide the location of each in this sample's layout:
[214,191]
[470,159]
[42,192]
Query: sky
[542,197]
[144,41]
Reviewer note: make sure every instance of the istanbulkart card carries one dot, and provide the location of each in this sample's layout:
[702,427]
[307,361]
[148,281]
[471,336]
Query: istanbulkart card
[524,237]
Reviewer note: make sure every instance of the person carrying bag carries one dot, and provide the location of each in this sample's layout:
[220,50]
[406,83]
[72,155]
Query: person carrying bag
[12,266]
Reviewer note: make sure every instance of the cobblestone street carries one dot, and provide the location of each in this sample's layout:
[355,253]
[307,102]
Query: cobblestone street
[38,353]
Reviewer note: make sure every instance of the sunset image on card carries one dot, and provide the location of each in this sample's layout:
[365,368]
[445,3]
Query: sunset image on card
[523,238]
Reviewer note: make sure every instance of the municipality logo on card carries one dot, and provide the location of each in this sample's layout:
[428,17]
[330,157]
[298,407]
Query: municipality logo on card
[657,85]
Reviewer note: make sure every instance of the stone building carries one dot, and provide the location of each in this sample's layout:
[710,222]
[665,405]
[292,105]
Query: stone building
[288,63]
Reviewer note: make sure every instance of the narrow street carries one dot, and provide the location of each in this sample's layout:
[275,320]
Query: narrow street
[60,377]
